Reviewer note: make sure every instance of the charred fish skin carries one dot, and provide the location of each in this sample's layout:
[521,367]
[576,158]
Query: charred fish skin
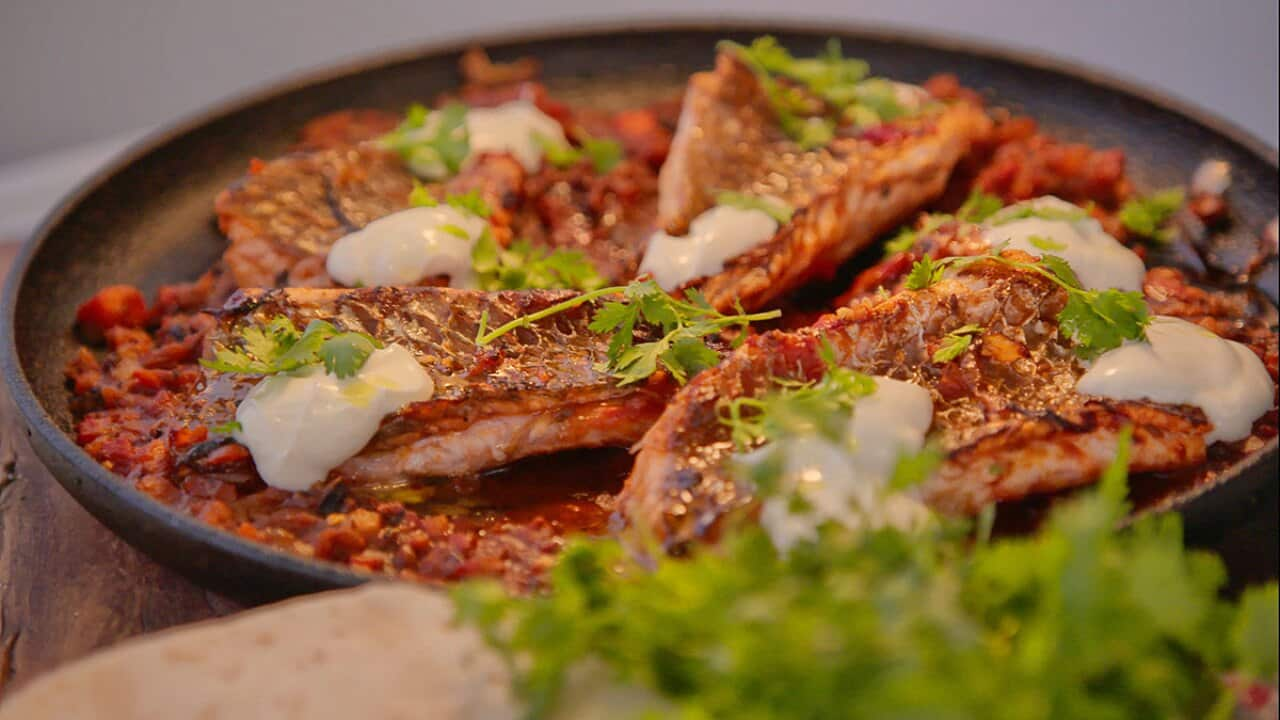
[846,194]
[532,391]
[1006,412]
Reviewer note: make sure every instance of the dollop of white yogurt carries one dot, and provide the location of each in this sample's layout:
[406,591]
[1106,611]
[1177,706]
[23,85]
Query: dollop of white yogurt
[300,426]
[1098,259]
[715,236]
[1183,363]
[405,247]
[513,128]
[847,482]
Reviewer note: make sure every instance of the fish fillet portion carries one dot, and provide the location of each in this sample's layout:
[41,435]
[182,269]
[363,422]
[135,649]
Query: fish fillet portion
[845,194]
[1005,412]
[535,390]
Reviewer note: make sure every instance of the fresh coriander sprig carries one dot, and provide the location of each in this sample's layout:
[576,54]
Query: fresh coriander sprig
[976,208]
[468,202]
[1149,216]
[682,326]
[521,266]
[955,343]
[433,143]
[604,153]
[795,408]
[277,347]
[776,209]
[1096,320]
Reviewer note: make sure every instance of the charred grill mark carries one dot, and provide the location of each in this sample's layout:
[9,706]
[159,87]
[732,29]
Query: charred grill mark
[335,205]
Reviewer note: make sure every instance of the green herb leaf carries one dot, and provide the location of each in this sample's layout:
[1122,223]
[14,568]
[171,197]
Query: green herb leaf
[1096,320]
[1030,210]
[434,144]
[979,206]
[469,202]
[525,267]
[277,347]
[681,324]
[955,343]
[776,209]
[604,153]
[1046,244]
[809,95]
[227,428]
[1150,216]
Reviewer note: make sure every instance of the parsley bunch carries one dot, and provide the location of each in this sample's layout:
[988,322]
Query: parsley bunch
[604,154]
[277,347]
[1077,621]
[840,84]
[1096,320]
[682,327]
[1149,216]
[434,144]
[976,208]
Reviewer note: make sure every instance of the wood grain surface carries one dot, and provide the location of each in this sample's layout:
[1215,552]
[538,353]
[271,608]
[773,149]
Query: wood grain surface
[67,584]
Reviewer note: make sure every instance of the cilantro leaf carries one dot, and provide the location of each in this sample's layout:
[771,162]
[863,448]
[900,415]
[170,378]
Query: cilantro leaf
[604,153]
[227,428]
[979,206]
[810,96]
[1149,216]
[678,323]
[776,209]
[469,202]
[434,144]
[277,347]
[955,343]
[1095,320]
[523,267]
[1043,243]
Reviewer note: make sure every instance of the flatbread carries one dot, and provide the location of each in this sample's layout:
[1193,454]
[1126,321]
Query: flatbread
[385,650]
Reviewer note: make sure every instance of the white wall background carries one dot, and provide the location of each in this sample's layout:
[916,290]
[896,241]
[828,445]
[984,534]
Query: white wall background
[73,71]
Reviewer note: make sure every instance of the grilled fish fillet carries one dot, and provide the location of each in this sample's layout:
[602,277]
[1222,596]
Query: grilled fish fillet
[283,216]
[532,391]
[846,194]
[1006,412]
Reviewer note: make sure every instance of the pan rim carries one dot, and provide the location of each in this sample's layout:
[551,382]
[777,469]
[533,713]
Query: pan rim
[38,421]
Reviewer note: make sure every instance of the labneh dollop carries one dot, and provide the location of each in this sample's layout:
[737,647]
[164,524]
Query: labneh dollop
[300,426]
[1100,261]
[848,482]
[405,247]
[1182,363]
[514,128]
[715,236]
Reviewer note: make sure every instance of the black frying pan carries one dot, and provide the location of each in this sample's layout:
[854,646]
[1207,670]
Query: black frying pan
[147,220]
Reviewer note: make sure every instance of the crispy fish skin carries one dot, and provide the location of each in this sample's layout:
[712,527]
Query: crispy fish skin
[535,390]
[846,194]
[283,216]
[1006,411]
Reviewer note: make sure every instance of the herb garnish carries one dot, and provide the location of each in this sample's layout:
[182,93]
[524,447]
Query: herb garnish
[1096,320]
[776,209]
[604,153]
[277,347]
[837,89]
[227,428]
[955,343]
[469,202]
[976,208]
[793,408]
[433,143]
[682,325]
[1149,216]
[1078,620]
[521,266]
